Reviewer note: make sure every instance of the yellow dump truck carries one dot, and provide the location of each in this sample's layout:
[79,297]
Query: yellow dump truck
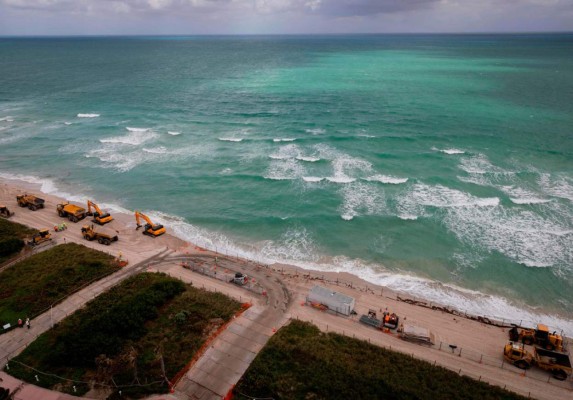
[71,211]
[32,202]
[555,362]
[102,235]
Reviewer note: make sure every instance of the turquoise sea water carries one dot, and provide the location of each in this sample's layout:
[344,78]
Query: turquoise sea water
[438,165]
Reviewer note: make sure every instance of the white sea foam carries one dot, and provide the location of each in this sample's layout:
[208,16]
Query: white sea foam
[340,179]
[230,139]
[135,137]
[286,169]
[557,186]
[137,129]
[307,158]
[123,162]
[315,131]
[480,164]
[312,179]
[289,151]
[386,179]
[156,150]
[361,199]
[530,200]
[297,247]
[364,135]
[407,217]
[444,197]
[453,151]
[173,133]
[7,119]
[88,115]
[67,123]
[284,139]
[345,168]
[520,234]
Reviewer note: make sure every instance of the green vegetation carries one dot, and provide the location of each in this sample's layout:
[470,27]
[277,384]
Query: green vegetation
[126,336]
[300,362]
[11,238]
[32,285]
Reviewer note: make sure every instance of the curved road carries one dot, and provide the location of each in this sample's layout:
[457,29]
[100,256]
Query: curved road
[226,360]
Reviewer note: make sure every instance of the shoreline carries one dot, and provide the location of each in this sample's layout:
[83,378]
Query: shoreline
[124,223]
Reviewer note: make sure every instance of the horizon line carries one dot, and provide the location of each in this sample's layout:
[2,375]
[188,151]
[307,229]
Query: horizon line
[285,34]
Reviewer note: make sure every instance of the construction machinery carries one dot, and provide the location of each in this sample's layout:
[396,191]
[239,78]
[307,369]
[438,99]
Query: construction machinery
[540,337]
[71,211]
[102,235]
[389,320]
[4,212]
[149,228]
[32,202]
[557,363]
[40,237]
[100,217]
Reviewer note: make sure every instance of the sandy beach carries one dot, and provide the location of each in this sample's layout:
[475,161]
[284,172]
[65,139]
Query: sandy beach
[467,346]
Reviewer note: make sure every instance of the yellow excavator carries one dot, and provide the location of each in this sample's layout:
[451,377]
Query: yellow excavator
[150,228]
[100,217]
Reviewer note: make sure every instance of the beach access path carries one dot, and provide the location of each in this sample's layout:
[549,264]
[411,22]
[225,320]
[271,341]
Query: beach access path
[479,346]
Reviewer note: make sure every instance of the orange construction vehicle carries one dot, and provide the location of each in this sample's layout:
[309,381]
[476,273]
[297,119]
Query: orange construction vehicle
[541,337]
[71,211]
[100,217]
[32,202]
[150,228]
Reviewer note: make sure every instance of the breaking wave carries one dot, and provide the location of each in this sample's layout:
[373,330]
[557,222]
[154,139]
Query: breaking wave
[230,139]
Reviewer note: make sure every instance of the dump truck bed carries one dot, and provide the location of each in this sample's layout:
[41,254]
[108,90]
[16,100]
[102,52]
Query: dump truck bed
[548,356]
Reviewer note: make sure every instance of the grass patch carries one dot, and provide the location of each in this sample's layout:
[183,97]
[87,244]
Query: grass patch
[127,337]
[32,285]
[12,237]
[300,362]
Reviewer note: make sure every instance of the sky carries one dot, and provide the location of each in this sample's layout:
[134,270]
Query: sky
[192,17]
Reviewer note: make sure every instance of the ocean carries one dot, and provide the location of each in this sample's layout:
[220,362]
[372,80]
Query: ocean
[438,165]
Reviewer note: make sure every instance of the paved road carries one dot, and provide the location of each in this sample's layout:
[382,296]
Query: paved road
[229,356]
[13,342]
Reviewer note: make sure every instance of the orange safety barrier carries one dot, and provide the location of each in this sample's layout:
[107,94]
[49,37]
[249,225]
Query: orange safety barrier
[229,395]
[204,347]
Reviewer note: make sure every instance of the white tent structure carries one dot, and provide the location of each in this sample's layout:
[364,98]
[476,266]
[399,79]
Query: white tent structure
[333,301]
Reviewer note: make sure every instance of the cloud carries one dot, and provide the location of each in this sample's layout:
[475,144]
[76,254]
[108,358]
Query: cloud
[320,7]
[353,8]
[281,16]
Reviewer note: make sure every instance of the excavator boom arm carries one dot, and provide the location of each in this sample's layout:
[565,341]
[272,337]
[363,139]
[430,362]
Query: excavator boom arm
[95,206]
[139,215]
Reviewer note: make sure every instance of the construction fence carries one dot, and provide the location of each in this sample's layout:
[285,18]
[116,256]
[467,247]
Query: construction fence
[468,354]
